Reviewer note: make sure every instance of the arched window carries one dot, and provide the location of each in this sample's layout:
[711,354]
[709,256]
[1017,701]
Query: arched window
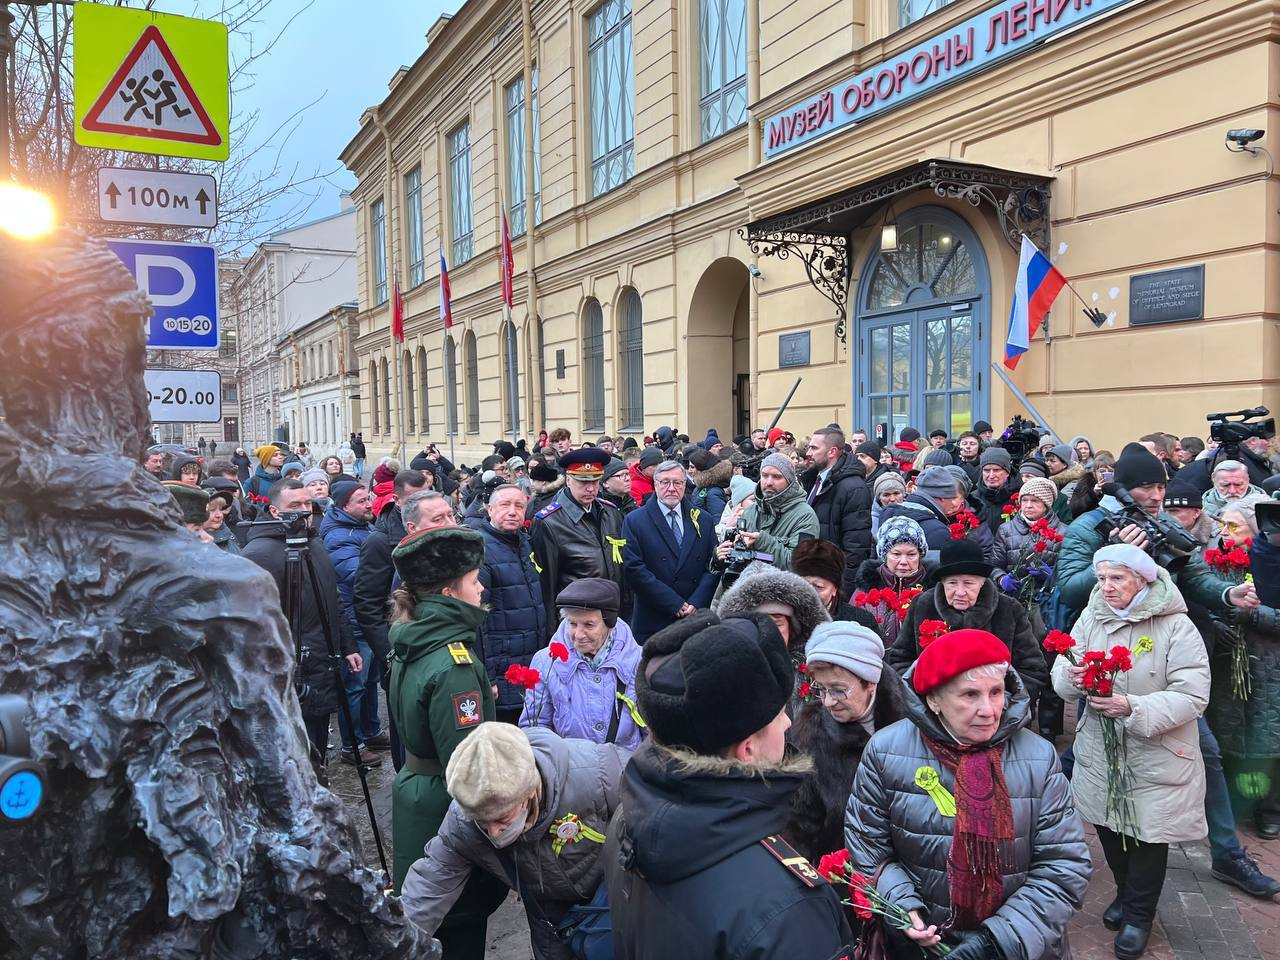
[373,395]
[450,386]
[631,362]
[424,401]
[386,396]
[411,412]
[511,368]
[473,382]
[592,367]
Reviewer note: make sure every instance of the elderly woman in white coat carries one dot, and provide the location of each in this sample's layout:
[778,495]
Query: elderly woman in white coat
[1156,703]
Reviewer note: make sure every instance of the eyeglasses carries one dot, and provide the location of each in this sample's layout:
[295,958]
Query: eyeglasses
[836,693]
[671,483]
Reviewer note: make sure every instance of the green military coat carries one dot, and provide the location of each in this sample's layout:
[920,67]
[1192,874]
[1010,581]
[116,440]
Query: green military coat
[439,693]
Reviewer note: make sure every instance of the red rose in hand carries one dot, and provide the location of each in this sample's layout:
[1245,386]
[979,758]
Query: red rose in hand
[559,652]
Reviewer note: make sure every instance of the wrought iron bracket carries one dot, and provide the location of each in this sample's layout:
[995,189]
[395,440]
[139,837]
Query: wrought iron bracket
[1021,207]
[825,258]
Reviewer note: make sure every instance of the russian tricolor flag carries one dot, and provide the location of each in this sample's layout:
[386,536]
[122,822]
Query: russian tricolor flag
[446,295]
[1039,282]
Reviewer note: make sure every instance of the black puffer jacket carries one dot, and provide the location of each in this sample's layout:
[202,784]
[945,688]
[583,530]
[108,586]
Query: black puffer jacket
[816,826]
[266,548]
[937,526]
[843,506]
[993,612]
[689,876]
[516,627]
[1015,534]
[896,828]
[991,503]
[374,578]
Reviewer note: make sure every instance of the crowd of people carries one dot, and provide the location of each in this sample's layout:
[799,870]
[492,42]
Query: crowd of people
[777,696]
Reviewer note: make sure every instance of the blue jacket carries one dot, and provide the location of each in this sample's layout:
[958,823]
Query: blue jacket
[663,577]
[516,627]
[343,536]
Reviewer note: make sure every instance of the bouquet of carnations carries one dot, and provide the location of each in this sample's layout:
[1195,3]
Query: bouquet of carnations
[962,523]
[1100,672]
[882,601]
[1032,571]
[865,899]
[519,675]
[1231,560]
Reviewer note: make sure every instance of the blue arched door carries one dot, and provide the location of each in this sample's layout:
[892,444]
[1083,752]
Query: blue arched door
[923,328]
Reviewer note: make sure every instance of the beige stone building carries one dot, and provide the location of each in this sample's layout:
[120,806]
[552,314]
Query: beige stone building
[731,194]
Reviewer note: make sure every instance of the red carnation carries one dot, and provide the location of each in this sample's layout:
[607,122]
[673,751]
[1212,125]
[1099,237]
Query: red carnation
[559,652]
[957,531]
[804,668]
[1121,658]
[1103,687]
[1040,546]
[832,865]
[861,904]
[515,675]
[1059,642]
[530,678]
[806,690]
[931,630]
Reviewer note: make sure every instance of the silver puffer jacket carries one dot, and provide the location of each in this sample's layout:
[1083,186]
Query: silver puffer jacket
[894,827]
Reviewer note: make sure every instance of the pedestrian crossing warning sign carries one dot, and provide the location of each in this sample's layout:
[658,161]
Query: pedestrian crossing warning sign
[150,82]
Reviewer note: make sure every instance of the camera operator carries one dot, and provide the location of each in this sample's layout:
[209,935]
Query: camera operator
[1247,442]
[289,503]
[780,518]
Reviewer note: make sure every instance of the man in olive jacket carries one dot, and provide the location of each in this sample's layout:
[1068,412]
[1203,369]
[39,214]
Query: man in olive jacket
[780,518]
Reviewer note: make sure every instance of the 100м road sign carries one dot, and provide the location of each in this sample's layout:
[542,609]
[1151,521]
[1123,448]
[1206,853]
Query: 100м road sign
[157,197]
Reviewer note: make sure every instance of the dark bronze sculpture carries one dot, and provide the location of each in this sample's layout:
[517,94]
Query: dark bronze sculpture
[182,817]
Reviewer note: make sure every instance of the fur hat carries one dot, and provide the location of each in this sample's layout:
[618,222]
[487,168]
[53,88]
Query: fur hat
[898,530]
[818,558]
[782,464]
[761,585]
[192,501]
[706,683]
[1138,467]
[850,645]
[492,771]
[954,653]
[265,453]
[996,457]
[541,471]
[958,557]
[439,555]
[1041,488]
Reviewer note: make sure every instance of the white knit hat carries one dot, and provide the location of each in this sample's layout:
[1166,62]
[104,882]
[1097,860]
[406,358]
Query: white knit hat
[491,771]
[1041,488]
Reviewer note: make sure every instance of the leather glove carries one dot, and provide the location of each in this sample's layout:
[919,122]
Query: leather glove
[977,945]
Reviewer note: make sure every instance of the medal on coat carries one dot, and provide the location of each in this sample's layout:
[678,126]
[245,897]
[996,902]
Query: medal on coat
[569,829]
[927,780]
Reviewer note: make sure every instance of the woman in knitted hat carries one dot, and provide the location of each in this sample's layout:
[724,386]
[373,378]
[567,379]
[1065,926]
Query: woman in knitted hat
[889,488]
[1135,606]
[1035,503]
[438,694]
[846,705]
[530,812]
[270,460]
[964,817]
[899,566]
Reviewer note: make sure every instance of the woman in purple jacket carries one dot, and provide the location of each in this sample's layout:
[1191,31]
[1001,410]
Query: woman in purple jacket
[586,685]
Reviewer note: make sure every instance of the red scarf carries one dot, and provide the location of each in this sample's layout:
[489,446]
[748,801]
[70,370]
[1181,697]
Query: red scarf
[983,831]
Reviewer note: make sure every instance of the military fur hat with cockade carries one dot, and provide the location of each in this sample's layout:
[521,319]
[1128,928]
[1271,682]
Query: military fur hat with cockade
[438,556]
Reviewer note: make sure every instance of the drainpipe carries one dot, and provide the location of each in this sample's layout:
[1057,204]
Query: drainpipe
[753,161]
[394,251]
[536,383]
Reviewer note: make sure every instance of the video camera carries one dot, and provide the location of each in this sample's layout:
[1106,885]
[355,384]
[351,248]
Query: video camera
[1268,516]
[1229,433]
[1168,542]
[740,556]
[1020,439]
[294,523]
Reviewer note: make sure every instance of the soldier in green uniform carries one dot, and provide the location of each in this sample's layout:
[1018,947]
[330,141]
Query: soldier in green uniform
[438,694]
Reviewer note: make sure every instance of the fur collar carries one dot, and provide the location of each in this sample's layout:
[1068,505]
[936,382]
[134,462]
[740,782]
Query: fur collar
[1073,472]
[688,763]
[541,487]
[760,584]
[717,476]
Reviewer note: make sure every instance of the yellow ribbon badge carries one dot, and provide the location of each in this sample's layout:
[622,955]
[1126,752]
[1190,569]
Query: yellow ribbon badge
[569,829]
[631,708]
[927,780]
[1144,645]
[617,543]
[694,514]
[534,561]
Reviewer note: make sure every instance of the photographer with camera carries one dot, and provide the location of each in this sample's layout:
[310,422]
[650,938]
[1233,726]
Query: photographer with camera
[1246,439]
[289,504]
[780,517]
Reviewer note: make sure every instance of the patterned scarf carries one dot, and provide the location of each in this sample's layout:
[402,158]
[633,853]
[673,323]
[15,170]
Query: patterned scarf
[983,831]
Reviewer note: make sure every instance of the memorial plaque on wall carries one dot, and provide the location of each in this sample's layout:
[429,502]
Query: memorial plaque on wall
[793,349]
[1168,296]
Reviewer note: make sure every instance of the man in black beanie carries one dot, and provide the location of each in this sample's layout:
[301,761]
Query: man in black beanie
[695,866]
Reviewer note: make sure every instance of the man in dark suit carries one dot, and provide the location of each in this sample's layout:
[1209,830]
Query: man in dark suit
[669,544]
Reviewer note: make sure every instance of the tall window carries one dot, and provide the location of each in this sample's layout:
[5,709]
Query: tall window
[631,359]
[516,155]
[612,124]
[386,396]
[373,396]
[593,368]
[413,223]
[424,405]
[724,66]
[473,381]
[450,386]
[410,411]
[378,244]
[460,192]
[909,11]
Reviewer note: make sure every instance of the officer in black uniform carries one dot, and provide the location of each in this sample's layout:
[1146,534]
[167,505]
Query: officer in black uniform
[579,533]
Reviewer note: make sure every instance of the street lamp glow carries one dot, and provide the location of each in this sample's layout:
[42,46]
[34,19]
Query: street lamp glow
[25,213]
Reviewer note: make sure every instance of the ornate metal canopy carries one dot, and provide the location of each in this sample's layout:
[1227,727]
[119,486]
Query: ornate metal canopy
[818,234]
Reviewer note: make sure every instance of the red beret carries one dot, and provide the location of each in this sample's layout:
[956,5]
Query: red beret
[954,653]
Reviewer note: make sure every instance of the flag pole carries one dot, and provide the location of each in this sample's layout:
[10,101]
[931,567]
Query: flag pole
[1022,398]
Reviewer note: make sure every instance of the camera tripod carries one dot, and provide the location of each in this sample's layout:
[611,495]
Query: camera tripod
[297,557]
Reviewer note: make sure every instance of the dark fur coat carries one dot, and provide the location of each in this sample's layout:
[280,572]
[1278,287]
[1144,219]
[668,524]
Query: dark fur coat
[816,826]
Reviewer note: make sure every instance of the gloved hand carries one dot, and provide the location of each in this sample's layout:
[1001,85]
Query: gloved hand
[976,945]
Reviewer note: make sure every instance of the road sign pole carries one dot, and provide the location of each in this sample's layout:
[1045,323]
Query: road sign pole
[6,47]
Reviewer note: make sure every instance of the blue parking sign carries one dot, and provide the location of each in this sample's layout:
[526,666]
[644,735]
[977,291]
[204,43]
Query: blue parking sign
[181,281]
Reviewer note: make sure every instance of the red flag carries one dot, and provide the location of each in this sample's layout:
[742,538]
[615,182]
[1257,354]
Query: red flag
[446,309]
[397,313]
[508,265]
